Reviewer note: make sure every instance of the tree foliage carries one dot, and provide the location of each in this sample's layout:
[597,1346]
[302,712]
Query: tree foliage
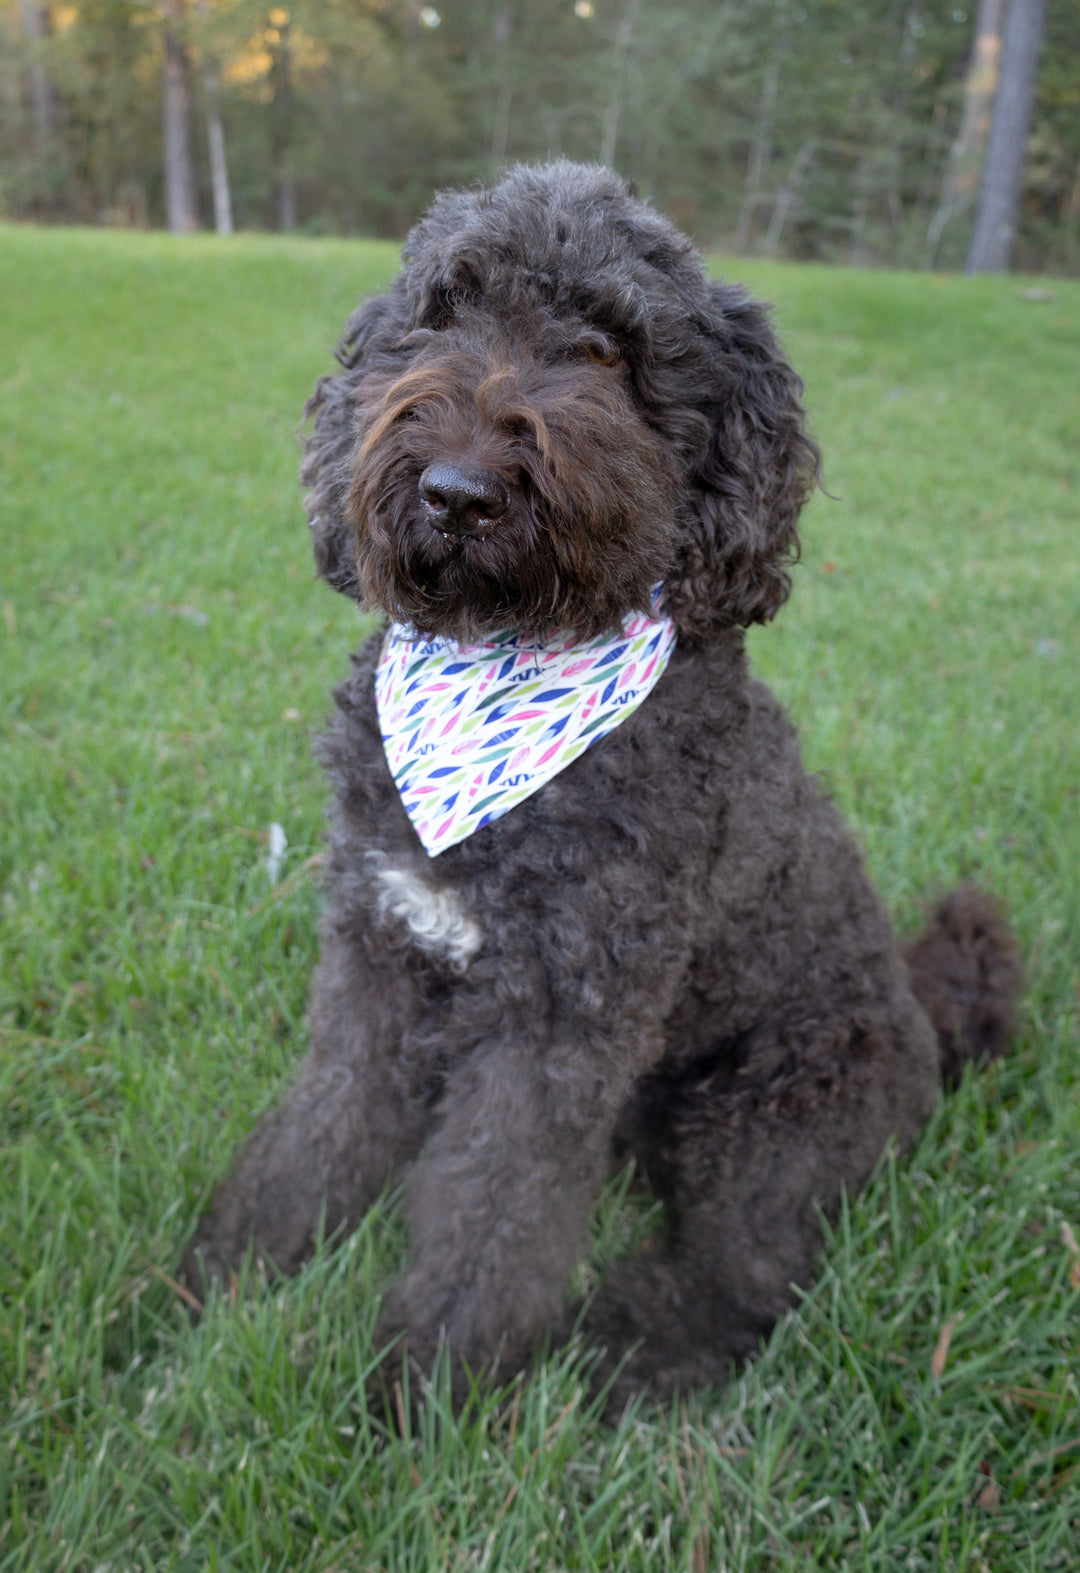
[813,128]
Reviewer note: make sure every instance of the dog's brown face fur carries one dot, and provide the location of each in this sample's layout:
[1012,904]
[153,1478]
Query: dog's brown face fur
[585,521]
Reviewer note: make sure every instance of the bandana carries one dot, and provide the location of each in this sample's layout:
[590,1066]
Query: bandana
[471,730]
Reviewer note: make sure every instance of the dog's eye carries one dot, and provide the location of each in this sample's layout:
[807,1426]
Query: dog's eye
[601,353]
[440,310]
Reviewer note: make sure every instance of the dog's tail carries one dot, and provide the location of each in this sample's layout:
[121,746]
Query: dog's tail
[966,972]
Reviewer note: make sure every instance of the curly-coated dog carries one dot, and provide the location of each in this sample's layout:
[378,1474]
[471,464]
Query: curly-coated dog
[555,438]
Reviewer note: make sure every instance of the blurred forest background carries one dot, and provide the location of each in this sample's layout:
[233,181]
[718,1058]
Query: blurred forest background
[860,131]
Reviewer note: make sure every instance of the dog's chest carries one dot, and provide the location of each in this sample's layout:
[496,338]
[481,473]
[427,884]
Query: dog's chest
[434,916]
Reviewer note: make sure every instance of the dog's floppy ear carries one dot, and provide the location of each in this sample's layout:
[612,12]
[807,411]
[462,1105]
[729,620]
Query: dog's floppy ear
[751,466]
[370,342]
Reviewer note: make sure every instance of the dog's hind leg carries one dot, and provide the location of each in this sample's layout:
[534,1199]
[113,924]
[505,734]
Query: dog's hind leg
[357,1113]
[746,1162]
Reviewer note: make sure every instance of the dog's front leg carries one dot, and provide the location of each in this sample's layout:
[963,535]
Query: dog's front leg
[357,1113]
[499,1203]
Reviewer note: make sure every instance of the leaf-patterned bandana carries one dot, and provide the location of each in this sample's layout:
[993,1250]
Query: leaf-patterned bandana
[471,730]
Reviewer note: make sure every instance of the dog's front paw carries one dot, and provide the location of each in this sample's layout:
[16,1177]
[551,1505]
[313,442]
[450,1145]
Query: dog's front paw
[206,1265]
[200,1269]
[460,1337]
[413,1364]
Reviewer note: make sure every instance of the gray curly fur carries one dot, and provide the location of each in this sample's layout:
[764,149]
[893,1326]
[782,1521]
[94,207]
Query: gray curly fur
[672,951]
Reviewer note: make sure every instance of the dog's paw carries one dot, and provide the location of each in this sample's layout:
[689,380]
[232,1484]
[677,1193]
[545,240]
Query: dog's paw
[203,1267]
[655,1338]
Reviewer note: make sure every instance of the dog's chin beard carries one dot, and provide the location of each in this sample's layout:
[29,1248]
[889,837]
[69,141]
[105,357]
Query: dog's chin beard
[465,590]
[508,579]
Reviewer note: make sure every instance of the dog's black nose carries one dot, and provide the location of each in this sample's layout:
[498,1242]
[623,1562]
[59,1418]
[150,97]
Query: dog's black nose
[462,501]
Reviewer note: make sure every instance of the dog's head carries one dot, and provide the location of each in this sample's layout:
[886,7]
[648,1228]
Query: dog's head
[550,410]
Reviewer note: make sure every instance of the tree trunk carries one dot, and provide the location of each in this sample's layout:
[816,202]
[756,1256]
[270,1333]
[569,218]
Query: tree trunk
[787,195]
[41,98]
[215,134]
[219,169]
[965,159]
[761,147]
[864,181]
[181,213]
[624,36]
[1003,173]
[1071,210]
[500,132]
[283,109]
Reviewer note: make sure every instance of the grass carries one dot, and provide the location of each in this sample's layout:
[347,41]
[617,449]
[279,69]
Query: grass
[164,655]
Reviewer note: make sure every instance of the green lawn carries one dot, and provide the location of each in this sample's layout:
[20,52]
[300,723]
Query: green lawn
[165,653]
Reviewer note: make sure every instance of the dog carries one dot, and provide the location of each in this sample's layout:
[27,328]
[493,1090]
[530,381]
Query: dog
[551,442]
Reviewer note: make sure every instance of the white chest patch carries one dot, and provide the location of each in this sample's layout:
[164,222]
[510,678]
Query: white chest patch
[436,918]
